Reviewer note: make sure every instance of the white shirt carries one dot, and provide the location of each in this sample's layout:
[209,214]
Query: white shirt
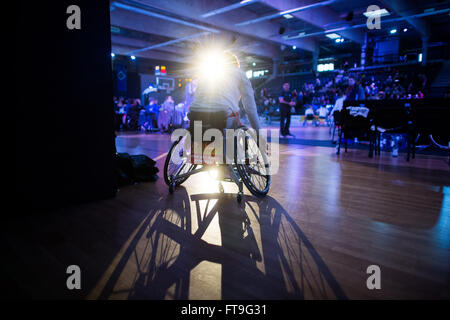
[309,111]
[339,104]
[323,112]
[225,95]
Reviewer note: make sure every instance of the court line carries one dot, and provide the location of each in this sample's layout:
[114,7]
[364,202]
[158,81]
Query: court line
[160,156]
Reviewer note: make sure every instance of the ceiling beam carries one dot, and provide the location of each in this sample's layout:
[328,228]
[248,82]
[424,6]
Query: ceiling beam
[193,10]
[162,16]
[138,44]
[289,11]
[363,25]
[405,8]
[154,54]
[167,43]
[319,17]
[240,4]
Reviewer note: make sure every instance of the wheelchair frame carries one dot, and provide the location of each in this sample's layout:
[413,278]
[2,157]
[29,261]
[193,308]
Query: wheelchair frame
[236,175]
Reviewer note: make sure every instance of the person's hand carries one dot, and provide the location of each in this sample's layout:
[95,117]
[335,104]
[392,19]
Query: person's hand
[292,104]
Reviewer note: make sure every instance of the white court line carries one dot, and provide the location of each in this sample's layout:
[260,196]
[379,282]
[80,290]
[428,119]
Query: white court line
[160,156]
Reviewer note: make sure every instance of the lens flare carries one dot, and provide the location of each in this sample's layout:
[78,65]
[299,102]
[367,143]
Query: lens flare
[214,173]
[212,65]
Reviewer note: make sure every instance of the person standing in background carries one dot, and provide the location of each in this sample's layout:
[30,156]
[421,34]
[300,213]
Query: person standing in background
[191,87]
[286,100]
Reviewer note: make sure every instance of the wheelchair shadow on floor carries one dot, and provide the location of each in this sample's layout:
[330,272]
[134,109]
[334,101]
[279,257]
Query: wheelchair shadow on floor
[262,252]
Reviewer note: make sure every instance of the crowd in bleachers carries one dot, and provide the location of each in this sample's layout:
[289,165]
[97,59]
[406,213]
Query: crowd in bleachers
[312,93]
[324,90]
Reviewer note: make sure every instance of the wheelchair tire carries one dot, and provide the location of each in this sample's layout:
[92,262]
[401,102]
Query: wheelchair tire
[248,173]
[167,174]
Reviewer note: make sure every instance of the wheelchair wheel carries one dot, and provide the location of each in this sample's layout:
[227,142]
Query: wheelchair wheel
[254,172]
[173,169]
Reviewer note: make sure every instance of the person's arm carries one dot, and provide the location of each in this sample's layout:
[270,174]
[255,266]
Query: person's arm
[291,103]
[248,101]
[281,100]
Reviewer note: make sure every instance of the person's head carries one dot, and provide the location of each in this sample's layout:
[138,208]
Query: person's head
[286,86]
[231,59]
[351,81]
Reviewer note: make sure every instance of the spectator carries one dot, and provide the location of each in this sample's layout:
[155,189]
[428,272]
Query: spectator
[131,118]
[165,115]
[310,115]
[354,91]
[323,113]
[191,87]
[148,116]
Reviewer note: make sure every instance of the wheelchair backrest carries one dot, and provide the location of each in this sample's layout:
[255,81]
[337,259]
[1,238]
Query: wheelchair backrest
[209,120]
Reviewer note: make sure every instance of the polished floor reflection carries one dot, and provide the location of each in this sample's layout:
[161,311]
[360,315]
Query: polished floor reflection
[324,221]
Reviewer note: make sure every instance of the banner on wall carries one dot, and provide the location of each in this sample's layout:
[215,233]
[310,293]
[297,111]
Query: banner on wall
[121,78]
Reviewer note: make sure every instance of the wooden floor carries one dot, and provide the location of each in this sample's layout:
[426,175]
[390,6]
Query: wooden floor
[324,221]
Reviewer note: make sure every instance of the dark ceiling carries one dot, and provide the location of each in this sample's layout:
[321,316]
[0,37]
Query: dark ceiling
[170,30]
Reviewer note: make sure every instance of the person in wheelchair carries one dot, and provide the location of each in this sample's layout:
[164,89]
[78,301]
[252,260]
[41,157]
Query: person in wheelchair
[221,85]
[221,88]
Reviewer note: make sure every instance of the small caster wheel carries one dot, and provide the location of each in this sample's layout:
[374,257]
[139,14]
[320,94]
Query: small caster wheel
[221,190]
[239,197]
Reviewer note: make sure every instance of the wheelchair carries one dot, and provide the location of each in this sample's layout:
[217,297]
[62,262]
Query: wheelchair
[248,166]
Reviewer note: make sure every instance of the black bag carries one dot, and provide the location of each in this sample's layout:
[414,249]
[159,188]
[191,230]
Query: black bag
[136,168]
[143,168]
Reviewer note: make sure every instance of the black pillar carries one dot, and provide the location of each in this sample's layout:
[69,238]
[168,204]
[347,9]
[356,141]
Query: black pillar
[63,104]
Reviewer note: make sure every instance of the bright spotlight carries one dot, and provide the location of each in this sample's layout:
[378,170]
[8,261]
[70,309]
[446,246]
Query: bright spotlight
[393,31]
[213,173]
[406,29]
[133,58]
[294,47]
[254,64]
[212,65]
[113,54]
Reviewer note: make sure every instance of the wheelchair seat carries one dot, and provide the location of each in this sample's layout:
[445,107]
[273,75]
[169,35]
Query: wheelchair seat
[182,160]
